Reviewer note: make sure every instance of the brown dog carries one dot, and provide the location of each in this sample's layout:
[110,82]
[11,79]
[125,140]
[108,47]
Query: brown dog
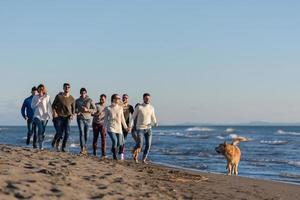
[232,154]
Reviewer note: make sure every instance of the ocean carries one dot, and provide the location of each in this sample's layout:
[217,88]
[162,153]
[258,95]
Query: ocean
[273,153]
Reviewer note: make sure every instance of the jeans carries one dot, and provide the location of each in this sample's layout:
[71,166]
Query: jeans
[97,128]
[117,140]
[84,129]
[63,131]
[122,147]
[31,127]
[148,140]
[41,126]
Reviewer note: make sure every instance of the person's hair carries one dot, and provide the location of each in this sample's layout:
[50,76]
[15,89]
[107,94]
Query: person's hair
[103,95]
[83,90]
[146,95]
[43,88]
[66,84]
[33,89]
[125,95]
[113,97]
[136,105]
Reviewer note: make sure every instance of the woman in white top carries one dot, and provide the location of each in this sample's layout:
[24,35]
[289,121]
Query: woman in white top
[42,111]
[113,121]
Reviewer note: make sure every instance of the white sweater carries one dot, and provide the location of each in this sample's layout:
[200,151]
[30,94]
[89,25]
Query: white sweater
[114,119]
[145,117]
[42,107]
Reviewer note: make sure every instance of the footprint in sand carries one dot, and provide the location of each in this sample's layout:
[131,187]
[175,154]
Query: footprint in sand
[97,196]
[29,181]
[119,180]
[12,185]
[19,195]
[108,174]
[28,166]
[45,171]
[102,187]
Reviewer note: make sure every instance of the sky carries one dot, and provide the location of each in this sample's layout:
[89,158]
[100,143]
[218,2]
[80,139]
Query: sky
[202,61]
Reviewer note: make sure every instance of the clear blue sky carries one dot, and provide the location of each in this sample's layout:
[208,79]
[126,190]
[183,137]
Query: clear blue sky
[202,61]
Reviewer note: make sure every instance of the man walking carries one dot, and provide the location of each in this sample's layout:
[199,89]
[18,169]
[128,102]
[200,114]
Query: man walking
[98,122]
[128,111]
[27,112]
[64,109]
[84,109]
[145,119]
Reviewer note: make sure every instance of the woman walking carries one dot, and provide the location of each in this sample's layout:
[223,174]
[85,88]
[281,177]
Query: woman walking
[113,121]
[42,112]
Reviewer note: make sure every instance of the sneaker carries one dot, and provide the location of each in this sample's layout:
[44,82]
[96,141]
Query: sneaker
[122,156]
[145,162]
[103,157]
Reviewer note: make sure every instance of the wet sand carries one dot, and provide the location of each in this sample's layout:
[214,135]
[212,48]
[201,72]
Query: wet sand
[30,174]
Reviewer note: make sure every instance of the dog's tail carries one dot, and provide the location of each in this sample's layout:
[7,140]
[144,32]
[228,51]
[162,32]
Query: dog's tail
[239,139]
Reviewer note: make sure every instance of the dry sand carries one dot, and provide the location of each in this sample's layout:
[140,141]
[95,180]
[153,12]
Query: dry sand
[31,174]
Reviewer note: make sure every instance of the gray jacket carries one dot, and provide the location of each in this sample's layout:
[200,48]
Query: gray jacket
[89,104]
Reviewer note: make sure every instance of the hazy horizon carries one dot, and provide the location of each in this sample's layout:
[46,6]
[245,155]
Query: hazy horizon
[202,61]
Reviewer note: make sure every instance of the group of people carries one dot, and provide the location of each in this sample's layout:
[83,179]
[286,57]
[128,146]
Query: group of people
[117,120]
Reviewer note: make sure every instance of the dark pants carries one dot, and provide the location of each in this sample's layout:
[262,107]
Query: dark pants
[140,140]
[63,131]
[84,129]
[97,129]
[31,130]
[122,148]
[41,126]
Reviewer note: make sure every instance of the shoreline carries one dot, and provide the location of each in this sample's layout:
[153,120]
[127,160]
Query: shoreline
[31,174]
[217,173]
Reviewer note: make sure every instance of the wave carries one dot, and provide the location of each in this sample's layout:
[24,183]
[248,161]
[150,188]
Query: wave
[172,134]
[186,135]
[3,129]
[294,163]
[273,142]
[290,175]
[233,136]
[221,137]
[281,132]
[199,129]
[229,130]
[73,145]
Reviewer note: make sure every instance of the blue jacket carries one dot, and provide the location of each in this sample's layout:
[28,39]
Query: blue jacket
[26,109]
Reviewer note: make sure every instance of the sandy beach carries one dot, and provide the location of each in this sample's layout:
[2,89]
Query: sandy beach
[30,174]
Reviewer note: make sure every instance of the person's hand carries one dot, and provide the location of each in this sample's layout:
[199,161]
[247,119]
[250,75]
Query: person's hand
[54,114]
[129,129]
[85,109]
[71,117]
[26,118]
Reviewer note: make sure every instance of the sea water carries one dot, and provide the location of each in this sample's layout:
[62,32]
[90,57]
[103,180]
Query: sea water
[272,154]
